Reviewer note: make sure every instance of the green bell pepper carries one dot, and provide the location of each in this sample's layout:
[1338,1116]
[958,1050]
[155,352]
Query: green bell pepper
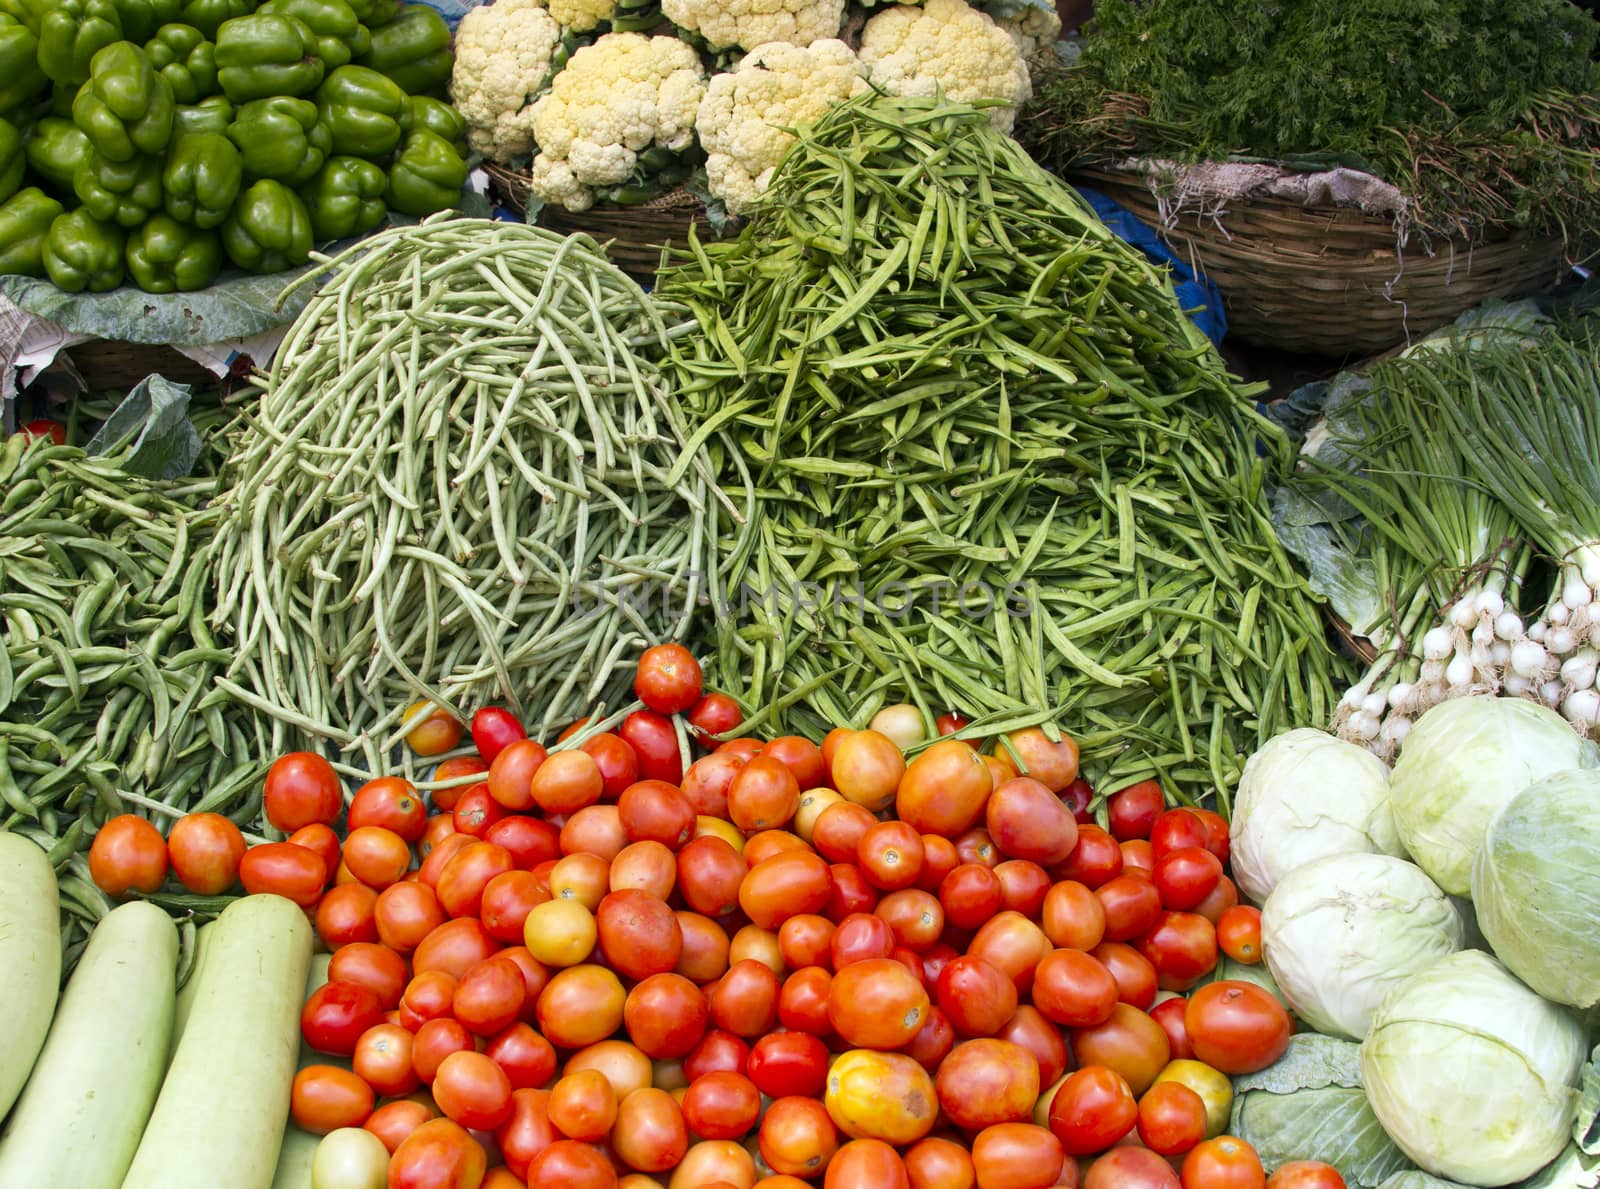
[366,112]
[182,55]
[56,150]
[142,19]
[212,114]
[122,192]
[13,159]
[27,13]
[413,49]
[262,55]
[24,220]
[21,80]
[81,252]
[72,33]
[61,97]
[427,176]
[339,35]
[269,229]
[373,13]
[202,179]
[165,256]
[125,108]
[440,119]
[208,15]
[346,198]
[280,138]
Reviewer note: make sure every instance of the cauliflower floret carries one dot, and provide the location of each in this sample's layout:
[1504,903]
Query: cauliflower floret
[1033,29]
[947,46]
[582,15]
[503,59]
[749,23]
[744,121]
[615,98]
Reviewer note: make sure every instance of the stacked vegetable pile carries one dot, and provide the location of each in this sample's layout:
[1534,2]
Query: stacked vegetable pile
[599,109]
[1482,112]
[593,966]
[161,140]
[1460,480]
[454,486]
[991,467]
[1473,1064]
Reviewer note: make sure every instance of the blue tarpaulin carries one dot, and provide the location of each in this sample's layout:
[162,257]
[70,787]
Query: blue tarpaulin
[1198,296]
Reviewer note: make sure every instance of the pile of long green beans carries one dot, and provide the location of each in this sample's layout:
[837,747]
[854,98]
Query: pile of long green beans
[454,489]
[993,468]
[107,703]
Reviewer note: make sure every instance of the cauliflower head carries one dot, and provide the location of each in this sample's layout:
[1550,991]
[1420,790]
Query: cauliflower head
[614,99]
[582,15]
[503,61]
[749,23]
[744,121]
[1033,29]
[946,46]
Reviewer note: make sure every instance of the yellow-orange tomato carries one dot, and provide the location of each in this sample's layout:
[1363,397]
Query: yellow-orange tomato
[867,768]
[713,1160]
[583,877]
[435,732]
[624,1065]
[376,856]
[812,803]
[944,789]
[560,932]
[581,1005]
[886,1096]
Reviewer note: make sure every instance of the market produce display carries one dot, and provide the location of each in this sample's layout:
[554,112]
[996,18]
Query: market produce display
[877,705]
[187,137]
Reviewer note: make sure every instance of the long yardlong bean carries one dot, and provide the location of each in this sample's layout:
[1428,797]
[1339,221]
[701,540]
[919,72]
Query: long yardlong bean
[956,393]
[463,481]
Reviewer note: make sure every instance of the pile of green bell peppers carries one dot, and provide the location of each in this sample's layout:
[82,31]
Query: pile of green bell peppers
[157,141]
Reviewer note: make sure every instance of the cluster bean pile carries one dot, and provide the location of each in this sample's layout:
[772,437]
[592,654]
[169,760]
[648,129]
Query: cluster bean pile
[993,468]
[454,487]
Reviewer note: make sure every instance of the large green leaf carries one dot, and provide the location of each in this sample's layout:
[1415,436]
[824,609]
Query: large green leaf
[152,426]
[1309,1105]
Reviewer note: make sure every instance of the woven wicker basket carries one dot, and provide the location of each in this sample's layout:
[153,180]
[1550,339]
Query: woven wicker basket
[1330,280]
[633,236]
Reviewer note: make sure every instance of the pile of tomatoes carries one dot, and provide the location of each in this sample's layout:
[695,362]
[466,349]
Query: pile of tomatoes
[787,964]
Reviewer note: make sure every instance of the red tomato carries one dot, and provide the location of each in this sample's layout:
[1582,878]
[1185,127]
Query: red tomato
[713,715]
[933,1042]
[1129,1042]
[951,722]
[721,1105]
[493,730]
[803,1001]
[581,1006]
[325,1098]
[1132,906]
[438,1155]
[44,427]
[406,913]
[655,811]
[1183,949]
[1073,989]
[375,967]
[1096,859]
[347,913]
[638,934]
[489,997]
[800,756]
[837,832]
[668,679]
[1135,976]
[572,1165]
[463,879]
[1029,1028]
[783,1063]
[938,1163]
[943,790]
[1186,876]
[321,840]
[709,873]
[472,1091]
[619,766]
[528,1131]
[763,795]
[301,788]
[444,799]
[850,892]
[706,782]
[510,779]
[744,1001]
[1138,857]
[1306,1174]
[890,855]
[594,831]
[336,1015]
[1028,821]
[477,811]
[977,997]
[435,731]
[1077,797]
[427,996]
[566,782]
[1236,1027]
[876,1004]
[205,849]
[528,1059]
[797,1136]
[391,803]
[1092,1110]
[915,917]
[975,846]
[971,894]
[1016,1156]
[1223,1163]
[1073,916]
[1216,833]
[507,900]
[284,869]
[939,859]
[1133,810]
[649,1133]
[1130,1168]
[783,886]
[655,743]
[806,940]
[436,1040]
[866,767]
[454,947]
[1178,829]
[1053,763]
[128,854]
[529,840]
[987,1081]
[666,1015]
[383,1060]
[1172,1118]
[1223,897]
[1023,885]
[376,856]
[393,1121]
[1239,934]
[1015,944]
[1169,1014]
[866,1164]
